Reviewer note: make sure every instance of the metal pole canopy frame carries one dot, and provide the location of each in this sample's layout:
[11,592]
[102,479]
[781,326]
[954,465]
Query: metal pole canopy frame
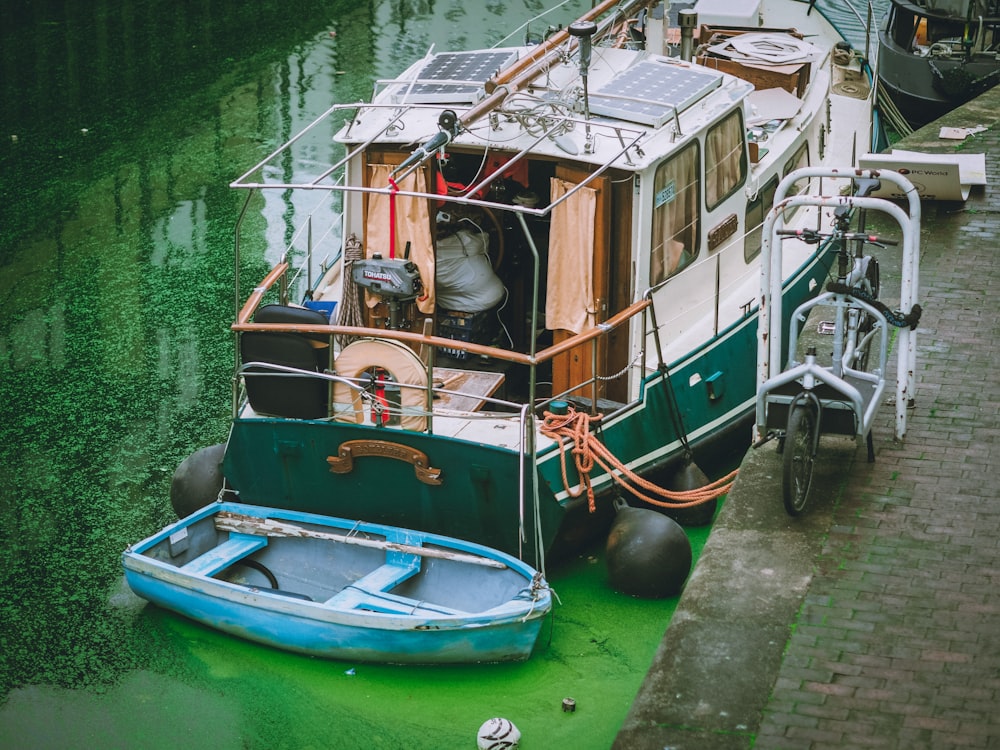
[769,332]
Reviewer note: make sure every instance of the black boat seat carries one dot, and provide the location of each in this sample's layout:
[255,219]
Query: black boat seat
[282,394]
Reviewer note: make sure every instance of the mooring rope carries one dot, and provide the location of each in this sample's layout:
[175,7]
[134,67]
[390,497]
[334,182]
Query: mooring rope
[349,310]
[573,429]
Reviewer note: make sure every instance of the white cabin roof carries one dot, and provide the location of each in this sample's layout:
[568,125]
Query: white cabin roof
[633,97]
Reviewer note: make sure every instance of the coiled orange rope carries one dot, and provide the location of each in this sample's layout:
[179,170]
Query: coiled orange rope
[573,430]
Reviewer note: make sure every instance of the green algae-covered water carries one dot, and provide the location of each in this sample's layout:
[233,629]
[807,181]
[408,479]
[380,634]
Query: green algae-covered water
[122,125]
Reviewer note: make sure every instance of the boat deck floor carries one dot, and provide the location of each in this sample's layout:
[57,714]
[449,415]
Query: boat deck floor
[371,591]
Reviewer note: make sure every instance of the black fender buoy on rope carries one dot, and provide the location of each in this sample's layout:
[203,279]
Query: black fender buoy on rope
[197,480]
[690,477]
[648,554]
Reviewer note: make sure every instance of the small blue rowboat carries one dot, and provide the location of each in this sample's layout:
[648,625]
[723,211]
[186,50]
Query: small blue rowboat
[341,589]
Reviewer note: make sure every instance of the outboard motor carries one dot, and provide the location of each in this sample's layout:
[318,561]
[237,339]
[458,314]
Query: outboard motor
[396,280]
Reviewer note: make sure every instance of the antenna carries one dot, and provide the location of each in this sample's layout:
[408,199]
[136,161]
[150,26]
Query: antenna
[584,31]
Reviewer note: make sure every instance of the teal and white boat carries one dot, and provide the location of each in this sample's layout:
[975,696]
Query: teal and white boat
[543,276]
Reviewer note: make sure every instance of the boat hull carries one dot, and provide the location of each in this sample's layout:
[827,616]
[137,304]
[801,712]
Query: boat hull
[342,627]
[915,83]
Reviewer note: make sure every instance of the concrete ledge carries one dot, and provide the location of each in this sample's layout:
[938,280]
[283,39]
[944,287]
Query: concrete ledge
[983,110]
[716,666]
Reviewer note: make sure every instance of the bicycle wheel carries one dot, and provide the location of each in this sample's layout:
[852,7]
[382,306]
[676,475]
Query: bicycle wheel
[797,459]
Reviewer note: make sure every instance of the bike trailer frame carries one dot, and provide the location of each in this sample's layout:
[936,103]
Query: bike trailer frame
[846,400]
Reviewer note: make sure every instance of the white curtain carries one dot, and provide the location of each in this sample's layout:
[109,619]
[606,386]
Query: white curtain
[675,215]
[569,292]
[723,159]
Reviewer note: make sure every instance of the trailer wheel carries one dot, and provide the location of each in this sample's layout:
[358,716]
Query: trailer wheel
[797,458]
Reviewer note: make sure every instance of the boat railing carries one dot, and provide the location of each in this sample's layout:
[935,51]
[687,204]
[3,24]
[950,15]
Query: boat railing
[428,345]
[305,233]
[628,140]
[418,340]
[489,406]
[331,179]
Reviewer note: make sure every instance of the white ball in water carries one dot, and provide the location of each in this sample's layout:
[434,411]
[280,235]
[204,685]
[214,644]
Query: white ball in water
[498,734]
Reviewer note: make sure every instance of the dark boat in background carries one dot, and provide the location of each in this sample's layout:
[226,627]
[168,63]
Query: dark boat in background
[935,55]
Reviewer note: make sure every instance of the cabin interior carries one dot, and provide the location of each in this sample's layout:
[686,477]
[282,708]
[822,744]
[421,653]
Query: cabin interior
[484,267]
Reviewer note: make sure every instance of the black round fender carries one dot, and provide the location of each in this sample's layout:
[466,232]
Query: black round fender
[198,480]
[648,555]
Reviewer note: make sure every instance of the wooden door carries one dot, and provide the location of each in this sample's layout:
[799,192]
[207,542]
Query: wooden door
[576,366]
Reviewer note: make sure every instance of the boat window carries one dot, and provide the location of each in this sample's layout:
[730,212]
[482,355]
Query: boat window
[950,30]
[756,211]
[798,161]
[725,159]
[757,208]
[675,214]
[902,25]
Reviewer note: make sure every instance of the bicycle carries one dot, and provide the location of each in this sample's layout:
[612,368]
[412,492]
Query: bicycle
[810,398]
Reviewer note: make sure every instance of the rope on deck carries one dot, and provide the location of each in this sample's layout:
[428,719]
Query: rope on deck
[572,430]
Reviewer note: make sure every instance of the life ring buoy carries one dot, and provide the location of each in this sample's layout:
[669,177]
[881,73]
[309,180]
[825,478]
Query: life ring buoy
[400,362]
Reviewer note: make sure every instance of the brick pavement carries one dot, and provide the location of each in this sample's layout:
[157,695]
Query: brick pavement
[874,620]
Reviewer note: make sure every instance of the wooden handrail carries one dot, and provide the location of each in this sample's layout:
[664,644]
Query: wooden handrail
[408,337]
[592,333]
[250,306]
[538,54]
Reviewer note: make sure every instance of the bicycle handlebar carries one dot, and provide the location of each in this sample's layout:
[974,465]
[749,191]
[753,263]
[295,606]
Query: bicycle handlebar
[811,236]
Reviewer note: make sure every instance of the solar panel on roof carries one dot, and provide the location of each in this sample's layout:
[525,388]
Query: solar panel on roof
[456,77]
[649,91]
